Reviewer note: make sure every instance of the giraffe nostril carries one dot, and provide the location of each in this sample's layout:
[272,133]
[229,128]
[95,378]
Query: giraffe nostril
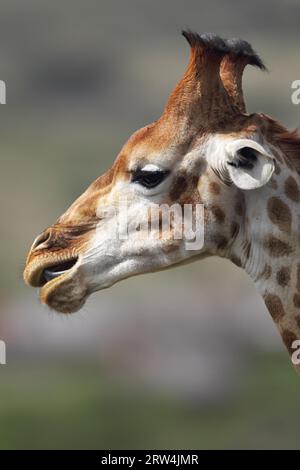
[40,240]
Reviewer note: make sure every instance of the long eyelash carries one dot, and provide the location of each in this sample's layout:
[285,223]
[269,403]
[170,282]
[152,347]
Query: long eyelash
[141,175]
[140,172]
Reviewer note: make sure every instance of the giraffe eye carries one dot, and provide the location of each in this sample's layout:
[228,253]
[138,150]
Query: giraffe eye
[149,179]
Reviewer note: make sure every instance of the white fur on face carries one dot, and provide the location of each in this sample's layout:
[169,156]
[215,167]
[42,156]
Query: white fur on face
[118,250]
[110,257]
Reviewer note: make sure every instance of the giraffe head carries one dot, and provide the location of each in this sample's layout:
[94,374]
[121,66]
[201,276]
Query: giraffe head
[205,151]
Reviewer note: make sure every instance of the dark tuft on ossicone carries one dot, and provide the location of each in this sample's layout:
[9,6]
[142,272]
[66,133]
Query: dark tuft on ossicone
[208,40]
[244,49]
[235,46]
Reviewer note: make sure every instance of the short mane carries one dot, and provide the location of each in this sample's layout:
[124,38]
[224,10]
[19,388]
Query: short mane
[288,141]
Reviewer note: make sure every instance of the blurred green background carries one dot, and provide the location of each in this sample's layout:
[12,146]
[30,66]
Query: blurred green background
[187,358]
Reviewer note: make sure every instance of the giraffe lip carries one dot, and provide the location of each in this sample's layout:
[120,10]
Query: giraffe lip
[41,271]
[56,270]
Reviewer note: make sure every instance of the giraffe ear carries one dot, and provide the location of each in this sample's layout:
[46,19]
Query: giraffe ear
[249,164]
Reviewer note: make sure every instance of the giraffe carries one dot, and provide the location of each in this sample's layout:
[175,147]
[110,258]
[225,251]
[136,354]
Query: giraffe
[204,149]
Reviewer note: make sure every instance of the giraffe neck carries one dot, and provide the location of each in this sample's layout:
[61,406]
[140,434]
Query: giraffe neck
[269,249]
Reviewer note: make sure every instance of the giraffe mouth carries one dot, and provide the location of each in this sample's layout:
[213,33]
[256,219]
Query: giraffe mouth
[61,284]
[39,273]
[57,270]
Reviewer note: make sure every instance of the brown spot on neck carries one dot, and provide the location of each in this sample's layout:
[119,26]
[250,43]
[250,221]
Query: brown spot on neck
[291,189]
[277,247]
[280,214]
[283,276]
[275,307]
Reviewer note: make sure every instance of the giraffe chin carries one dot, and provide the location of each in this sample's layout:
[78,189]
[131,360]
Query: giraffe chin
[64,294]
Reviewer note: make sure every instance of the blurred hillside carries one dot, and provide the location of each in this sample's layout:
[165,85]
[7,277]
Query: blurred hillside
[203,369]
